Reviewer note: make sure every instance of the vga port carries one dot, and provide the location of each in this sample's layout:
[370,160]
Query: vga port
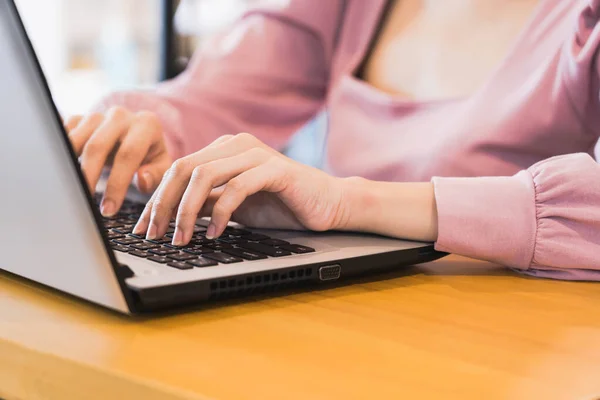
[330,272]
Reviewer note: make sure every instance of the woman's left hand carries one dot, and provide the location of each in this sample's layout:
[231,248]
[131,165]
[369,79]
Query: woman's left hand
[241,177]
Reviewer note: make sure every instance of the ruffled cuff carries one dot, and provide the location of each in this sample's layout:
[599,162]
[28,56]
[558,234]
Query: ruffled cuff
[545,221]
[567,207]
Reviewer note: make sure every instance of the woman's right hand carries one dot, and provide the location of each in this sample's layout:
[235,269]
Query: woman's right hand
[130,142]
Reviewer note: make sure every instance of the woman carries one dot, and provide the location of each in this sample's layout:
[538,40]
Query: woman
[413,90]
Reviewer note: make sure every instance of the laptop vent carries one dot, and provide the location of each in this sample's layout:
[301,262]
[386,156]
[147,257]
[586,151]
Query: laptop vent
[258,283]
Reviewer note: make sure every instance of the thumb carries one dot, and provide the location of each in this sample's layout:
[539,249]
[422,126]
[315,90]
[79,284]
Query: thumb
[149,176]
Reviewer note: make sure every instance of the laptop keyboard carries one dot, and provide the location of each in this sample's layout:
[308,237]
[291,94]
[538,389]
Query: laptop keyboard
[234,246]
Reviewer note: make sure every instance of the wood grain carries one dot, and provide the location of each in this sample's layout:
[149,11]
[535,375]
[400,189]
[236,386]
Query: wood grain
[456,328]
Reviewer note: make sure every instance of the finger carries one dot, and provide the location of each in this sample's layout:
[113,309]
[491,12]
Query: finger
[206,210]
[72,122]
[150,175]
[101,144]
[221,139]
[80,134]
[143,223]
[207,207]
[229,145]
[132,151]
[165,199]
[203,180]
[176,180]
[270,177]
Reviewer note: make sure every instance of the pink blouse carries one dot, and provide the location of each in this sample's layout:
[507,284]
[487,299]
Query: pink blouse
[281,64]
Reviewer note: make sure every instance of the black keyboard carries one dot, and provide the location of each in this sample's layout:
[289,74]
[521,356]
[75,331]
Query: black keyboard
[234,246]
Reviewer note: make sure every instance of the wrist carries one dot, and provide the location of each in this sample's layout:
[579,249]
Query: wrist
[402,210]
[358,201]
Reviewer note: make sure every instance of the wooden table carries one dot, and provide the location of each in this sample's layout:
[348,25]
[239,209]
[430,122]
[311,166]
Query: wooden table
[456,328]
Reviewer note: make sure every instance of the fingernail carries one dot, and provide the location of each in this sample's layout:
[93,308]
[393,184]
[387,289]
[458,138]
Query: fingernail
[148,181]
[136,229]
[152,232]
[108,208]
[178,237]
[211,231]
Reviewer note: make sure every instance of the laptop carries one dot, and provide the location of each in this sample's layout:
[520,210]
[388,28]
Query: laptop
[52,233]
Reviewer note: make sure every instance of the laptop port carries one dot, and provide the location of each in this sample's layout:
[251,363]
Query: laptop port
[330,272]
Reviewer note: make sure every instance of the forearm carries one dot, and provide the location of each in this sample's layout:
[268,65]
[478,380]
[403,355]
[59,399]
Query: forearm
[543,221]
[402,210]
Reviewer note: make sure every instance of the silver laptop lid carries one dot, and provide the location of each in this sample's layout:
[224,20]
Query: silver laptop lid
[48,228]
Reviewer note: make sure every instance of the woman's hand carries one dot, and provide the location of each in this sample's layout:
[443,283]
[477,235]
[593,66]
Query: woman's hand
[240,176]
[132,143]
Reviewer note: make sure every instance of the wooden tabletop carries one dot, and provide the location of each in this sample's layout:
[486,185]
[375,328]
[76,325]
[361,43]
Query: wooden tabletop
[455,328]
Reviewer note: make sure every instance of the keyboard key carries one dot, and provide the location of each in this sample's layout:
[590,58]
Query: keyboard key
[199,229]
[237,232]
[223,258]
[255,237]
[172,246]
[245,254]
[264,249]
[124,229]
[202,262]
[231,240]
[114,235]
[137,236]
[219,246]
[126,241]
[163,251]
[145,246]
[160,241]
[127,221]
[274,242]
[298,249]
[181,256]
[131,208]
[118,247]
[112,224]
[202,242]
[139,253]
[198,250]
[180,265]
[159,259]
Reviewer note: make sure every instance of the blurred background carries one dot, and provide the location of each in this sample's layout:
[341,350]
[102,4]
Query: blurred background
[89,48]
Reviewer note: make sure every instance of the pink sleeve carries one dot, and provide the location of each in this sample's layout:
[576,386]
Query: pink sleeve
[267,75]
[544,221]
[581,66]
